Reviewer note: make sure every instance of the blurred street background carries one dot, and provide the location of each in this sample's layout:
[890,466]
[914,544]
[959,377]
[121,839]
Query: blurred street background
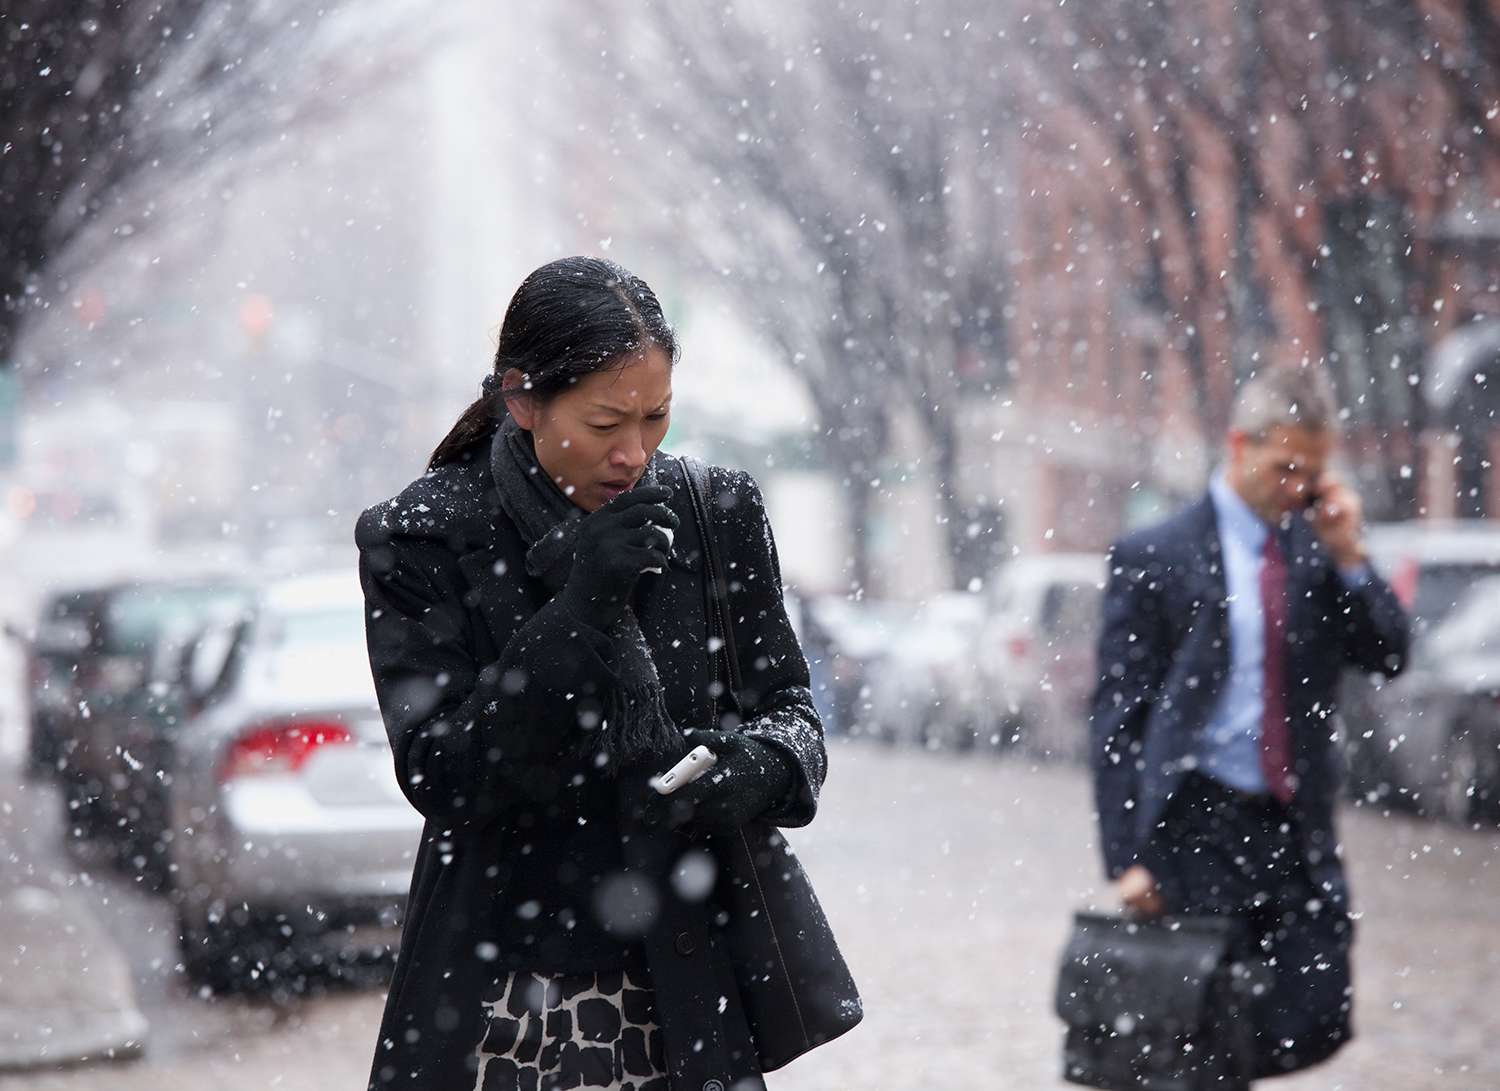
[971,282]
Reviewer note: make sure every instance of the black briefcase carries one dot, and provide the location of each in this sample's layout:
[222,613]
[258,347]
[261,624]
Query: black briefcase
[1157,1005]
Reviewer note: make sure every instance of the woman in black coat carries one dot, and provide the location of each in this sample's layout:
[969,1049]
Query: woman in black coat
[538,633]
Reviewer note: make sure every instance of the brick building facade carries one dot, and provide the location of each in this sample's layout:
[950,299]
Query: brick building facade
[1205,197]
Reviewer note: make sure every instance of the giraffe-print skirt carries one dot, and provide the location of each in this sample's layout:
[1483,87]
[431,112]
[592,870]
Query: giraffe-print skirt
[547,1032]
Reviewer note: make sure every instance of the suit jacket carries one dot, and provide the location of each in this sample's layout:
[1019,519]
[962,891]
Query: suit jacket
[1163,657]
[486,685]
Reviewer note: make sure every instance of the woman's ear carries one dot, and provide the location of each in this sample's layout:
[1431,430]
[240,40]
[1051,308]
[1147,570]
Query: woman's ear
[520,404]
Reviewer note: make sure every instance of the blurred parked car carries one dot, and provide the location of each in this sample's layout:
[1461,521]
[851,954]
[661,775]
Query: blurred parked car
[106,637]
[290,838]
[1427,739]
[145,728]
[1036,651]
[815,644]
[54,651]
[924,689]
[1431,565]
[855,635]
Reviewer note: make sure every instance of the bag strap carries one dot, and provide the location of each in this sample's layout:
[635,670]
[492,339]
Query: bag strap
[715,585]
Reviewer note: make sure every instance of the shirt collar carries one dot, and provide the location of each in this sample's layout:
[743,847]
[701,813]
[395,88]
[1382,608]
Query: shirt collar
[1236,519]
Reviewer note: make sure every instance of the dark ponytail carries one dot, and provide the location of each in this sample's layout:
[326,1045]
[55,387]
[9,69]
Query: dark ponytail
[568,319]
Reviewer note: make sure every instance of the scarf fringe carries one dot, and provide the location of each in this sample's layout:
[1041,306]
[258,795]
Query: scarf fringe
[637,725]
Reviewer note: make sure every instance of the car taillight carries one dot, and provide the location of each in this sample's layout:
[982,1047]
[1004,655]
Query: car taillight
[282,747]
[1404,581]
[1019,647]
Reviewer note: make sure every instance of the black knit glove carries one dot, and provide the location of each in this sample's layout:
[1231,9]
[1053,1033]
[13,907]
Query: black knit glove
[750,778]
[615,544]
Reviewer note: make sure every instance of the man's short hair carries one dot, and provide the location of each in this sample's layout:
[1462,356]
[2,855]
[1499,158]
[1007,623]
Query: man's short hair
[1288,397]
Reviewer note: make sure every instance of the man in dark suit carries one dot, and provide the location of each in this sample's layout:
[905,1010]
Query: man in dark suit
[1226,629]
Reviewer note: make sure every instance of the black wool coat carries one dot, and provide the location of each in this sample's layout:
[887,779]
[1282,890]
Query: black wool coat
[489,691]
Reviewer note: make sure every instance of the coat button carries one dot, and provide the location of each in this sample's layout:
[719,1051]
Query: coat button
[686,946]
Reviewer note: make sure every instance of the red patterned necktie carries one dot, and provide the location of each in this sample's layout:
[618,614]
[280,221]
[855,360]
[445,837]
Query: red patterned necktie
[1275,732]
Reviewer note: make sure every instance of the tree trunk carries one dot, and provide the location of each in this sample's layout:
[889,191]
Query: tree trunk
[953,512]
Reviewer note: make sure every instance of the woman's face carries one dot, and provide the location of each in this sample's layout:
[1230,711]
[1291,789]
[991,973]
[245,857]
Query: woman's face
[595,438]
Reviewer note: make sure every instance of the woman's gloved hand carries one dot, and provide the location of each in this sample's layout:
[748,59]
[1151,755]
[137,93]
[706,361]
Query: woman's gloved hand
[616,543]
[750,778]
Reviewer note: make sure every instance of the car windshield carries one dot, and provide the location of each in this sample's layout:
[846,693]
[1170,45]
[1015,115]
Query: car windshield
[859,628]
[1472,630]
[1071,609]
[312,657]
[300,629]
[1431,591]
[139,615]
[930,637]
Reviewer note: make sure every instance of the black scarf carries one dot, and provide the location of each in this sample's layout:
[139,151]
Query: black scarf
[635,725]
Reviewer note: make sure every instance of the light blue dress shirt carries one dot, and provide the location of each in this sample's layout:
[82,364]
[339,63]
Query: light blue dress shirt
[1229,745]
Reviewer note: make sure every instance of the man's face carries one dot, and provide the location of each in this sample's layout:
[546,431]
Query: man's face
[1278,471]
[595,439]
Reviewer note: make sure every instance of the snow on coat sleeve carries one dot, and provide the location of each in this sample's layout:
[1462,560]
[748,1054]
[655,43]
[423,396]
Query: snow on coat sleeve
[467,736]
[777,694]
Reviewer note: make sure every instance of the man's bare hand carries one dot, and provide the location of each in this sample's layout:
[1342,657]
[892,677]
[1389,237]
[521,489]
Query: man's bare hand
[1139,892]
[1338,519]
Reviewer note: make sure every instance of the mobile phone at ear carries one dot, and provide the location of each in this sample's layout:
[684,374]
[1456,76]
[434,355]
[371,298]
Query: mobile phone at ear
[698,761]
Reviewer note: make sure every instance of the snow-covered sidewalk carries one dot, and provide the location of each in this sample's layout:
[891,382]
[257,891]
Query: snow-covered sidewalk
[66,989]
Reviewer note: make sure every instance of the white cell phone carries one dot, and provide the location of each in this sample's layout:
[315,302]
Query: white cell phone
[670,538]
[699,761]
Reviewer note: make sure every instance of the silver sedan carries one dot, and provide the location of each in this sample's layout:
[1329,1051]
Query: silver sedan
[290,838]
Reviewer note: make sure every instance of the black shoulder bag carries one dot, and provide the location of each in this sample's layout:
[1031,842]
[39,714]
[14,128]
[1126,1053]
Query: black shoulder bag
[1157,1005]
[795,988]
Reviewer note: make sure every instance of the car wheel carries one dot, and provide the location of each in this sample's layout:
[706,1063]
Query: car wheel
[1486,743]
[1002,731]
[207,950]
[1364,772]
[1463,782]
[944,735]
[1471,791]
[986,728]
[236,951]
[83,813]
[41,750]
[1025,732]
[933,730]
[147,849]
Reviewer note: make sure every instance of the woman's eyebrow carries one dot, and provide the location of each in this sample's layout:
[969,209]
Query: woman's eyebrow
[622,412]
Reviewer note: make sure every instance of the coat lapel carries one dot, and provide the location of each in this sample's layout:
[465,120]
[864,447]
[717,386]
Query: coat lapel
[1206,640]
[1207,586]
